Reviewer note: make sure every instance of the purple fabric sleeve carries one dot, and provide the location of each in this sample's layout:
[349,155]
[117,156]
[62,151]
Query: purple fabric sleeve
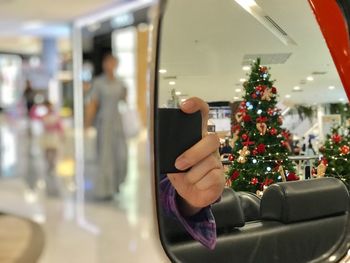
[201,226]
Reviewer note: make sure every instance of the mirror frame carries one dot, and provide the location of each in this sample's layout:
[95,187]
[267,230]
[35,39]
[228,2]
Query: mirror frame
[338,42]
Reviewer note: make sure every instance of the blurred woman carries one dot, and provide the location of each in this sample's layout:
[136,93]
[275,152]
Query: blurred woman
[102,110]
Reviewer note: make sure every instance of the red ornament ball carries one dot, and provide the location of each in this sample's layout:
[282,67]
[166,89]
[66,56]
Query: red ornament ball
[247,118]
[336,138]
[292,177]
[254,181]
[244,136]
[270,111]
[254,96]
[274,90]
[273,131]
[255,152]
[345,149]
[284,143]
[231,158]
[234,175]
[263,69]
[261,148]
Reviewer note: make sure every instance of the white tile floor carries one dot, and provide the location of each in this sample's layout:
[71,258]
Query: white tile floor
[75,230]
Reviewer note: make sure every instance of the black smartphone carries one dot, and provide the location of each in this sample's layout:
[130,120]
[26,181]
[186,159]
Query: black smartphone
[177,132]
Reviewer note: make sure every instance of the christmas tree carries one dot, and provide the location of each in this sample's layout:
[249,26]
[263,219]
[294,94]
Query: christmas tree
[260,152]
[335,161]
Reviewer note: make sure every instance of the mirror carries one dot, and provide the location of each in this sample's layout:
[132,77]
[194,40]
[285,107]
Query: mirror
[270,98]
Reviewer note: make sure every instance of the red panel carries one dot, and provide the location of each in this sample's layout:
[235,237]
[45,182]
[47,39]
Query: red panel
[334,29]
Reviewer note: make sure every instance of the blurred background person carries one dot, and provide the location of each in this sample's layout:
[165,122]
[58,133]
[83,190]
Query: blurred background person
[102,110]
[28,96]
[52,136]
[226,148]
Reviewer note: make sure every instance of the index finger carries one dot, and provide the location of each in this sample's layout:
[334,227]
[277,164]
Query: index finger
[195,104]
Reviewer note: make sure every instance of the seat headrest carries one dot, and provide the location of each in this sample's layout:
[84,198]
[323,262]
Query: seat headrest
[250,204]
[304,200]
[228,212]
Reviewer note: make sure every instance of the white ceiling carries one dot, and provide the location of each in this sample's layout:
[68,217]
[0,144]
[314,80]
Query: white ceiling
[24,22]
[204,41]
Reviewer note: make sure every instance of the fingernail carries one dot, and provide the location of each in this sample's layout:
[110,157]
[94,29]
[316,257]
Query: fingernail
[187,104]
[181,164]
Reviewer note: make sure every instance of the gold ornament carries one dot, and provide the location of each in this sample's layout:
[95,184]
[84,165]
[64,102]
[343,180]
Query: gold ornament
[281,172]
[239,116]
[261,193]
[262,128]
[321,170]
[243,155]
[267,94]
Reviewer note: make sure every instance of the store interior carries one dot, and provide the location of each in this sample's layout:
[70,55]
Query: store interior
[53,209]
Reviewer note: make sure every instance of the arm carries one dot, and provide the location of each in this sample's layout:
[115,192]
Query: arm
[188,195]
[90,112]
[201,226]
[92,105]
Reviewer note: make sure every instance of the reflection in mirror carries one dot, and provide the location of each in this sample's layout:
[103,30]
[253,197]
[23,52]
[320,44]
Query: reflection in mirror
[249,98]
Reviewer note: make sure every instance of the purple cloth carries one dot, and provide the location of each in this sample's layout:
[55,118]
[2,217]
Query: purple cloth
[201,227]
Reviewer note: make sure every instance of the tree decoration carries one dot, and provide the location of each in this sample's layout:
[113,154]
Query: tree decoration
[345,149]
[243,155]
[270,111]
[273,131]
[335,160]
[267,94]
[281,172]
[239,116]
[257,154]
[321,169]
[336,138]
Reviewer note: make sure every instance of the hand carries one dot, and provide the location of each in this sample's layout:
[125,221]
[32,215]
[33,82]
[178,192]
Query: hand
[203,184]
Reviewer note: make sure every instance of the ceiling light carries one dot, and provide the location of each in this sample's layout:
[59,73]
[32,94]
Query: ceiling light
[162,71]
[236,98]
[178,93]
[31,25]
[246,3]
[310,78]
[242,80]
[341,99]
[172,83]
[288,96]
[246,68]
[331,87]
[296,88]
[238,90]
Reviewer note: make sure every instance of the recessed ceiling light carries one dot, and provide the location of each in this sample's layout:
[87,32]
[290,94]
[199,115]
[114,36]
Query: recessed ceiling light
[246,3]
[236,98]
[310,78]
[238,90]
[341,99]
[178,93]
[172,83]
[288,96]
[32,25]
[246,68]
[242,80]
[296,88]
[162,71]
[331,87]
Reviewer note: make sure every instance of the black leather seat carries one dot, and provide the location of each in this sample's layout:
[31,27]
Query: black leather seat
[300,221]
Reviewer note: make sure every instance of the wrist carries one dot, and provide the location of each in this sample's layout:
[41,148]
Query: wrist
[185,208]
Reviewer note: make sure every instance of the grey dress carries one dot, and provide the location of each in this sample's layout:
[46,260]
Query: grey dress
[111,142]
